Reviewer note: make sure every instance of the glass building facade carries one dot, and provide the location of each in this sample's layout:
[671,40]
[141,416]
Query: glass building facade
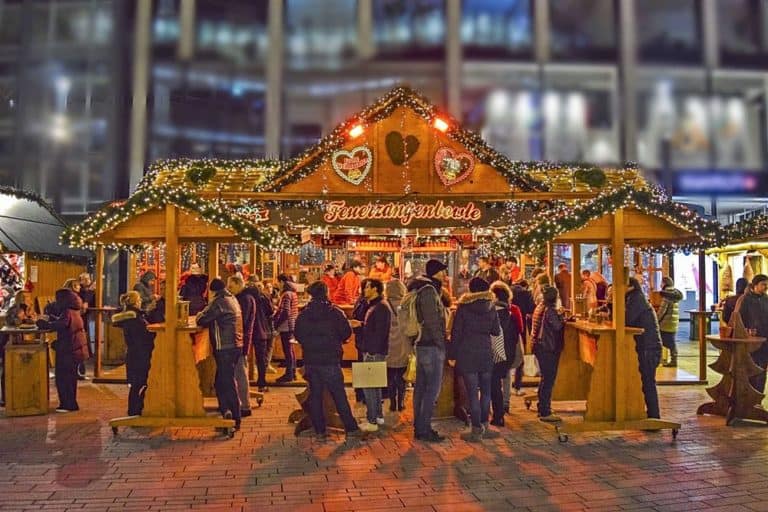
[677,85]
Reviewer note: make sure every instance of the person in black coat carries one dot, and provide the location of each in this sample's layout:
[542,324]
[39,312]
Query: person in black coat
[547,347]
[71,345]
[321,329]
[139,343]
[729,305]
[474,324]
[263,331]
[512,335]
[358,313]
[236,286]
[640,313]
[374,345]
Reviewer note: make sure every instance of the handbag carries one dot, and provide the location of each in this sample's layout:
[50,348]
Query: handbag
[530,365]
[369,374]
[410,369]
[497,348]
[518,359]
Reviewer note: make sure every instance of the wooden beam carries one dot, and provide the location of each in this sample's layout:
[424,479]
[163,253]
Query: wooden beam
[171,298]
[702,318]
[213,260]
[575,274]
[304,196]
[99,283]
[622,363]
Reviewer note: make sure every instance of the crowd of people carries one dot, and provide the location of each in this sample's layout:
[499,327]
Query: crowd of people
[395,323]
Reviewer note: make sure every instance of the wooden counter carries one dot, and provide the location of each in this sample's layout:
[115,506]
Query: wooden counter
[174,396]
[602,368]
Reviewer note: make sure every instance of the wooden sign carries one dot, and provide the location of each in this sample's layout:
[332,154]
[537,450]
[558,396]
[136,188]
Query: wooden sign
[402,214]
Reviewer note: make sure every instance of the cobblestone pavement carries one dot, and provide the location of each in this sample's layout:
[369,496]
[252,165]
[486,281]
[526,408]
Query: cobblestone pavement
[72,462]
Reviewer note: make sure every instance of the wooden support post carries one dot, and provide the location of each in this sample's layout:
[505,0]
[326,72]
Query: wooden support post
[549,265]
[622,365]
[575,275]
[703,317]
[213,260]
[600,259]
[171,297]
[131,270]
[99,278]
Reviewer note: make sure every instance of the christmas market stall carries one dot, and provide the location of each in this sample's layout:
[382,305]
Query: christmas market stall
[743,253]
[170,216]
[31,258]
[599,363]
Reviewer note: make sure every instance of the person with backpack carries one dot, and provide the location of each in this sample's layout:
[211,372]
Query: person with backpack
[425,308]
[548,343]
[475,323]
[511,322]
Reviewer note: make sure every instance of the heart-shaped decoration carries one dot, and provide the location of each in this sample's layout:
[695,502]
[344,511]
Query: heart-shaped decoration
[452,166]
[353,166]
[400,149]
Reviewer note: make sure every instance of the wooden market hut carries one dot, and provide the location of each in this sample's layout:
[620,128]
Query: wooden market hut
[635,215]
[30,229]
[743,252]
[397,167]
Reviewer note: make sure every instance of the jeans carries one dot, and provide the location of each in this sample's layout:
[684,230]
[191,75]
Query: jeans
[498,397]
[137,363]
[479,407]
[760,357]
[320,379]
[226,386]
[243,385]
[648,361]
[359,395]
[548,362]
[396,388]
[668,340]
[66,381]
[429,377]
[373,395]
[290,357]
[261,348]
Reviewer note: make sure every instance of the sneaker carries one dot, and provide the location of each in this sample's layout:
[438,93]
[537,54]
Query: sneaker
[550,418]
[227,415]
[519,392]
[82,377]
[285,379]
[369,427]
[271,369]
[62,410]
[379,421]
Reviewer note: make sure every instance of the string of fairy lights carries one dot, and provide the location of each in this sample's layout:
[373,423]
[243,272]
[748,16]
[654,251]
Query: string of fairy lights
[177,181]
[532,236]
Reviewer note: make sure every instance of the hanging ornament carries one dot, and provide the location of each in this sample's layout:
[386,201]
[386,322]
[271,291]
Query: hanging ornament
[400,149]
[453,167]
[353,166]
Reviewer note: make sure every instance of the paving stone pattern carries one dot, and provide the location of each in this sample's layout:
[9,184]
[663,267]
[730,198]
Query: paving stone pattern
[72,462]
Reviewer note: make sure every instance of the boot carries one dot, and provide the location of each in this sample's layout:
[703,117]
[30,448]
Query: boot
[473,436]
[672,360]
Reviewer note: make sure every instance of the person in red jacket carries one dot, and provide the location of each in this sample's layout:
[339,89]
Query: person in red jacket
[349,286]
[330,279]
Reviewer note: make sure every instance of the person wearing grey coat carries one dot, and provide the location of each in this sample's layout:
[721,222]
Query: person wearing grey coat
[400,347]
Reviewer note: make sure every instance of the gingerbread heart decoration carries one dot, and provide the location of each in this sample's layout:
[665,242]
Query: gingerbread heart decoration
[399,148]
[453,166]
[353,166]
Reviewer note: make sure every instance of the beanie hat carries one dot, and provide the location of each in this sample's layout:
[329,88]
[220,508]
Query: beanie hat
[217,285]
[435,266]
[477,284]
[549,293]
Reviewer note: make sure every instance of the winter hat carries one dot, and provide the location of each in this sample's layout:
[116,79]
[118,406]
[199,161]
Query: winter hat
[502,291]
[394,289]
[217,285]
[477,284]
[435,266]
[549,293]
[318,290]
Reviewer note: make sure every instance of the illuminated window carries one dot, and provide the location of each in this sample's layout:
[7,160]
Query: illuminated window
[669,30]
[412,28]
[583,29]
[497,28]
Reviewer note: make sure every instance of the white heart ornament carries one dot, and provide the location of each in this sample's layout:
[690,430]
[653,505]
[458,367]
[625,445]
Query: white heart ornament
[353,166]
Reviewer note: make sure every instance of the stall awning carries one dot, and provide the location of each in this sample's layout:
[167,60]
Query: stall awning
[29,225]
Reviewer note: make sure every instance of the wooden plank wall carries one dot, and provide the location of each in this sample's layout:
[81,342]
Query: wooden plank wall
[51,275]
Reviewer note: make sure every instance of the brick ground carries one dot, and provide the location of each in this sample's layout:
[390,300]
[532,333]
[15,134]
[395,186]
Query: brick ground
[72,462]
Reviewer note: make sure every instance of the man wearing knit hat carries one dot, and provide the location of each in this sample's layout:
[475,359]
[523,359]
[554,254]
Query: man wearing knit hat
[224,320]
[430,349]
